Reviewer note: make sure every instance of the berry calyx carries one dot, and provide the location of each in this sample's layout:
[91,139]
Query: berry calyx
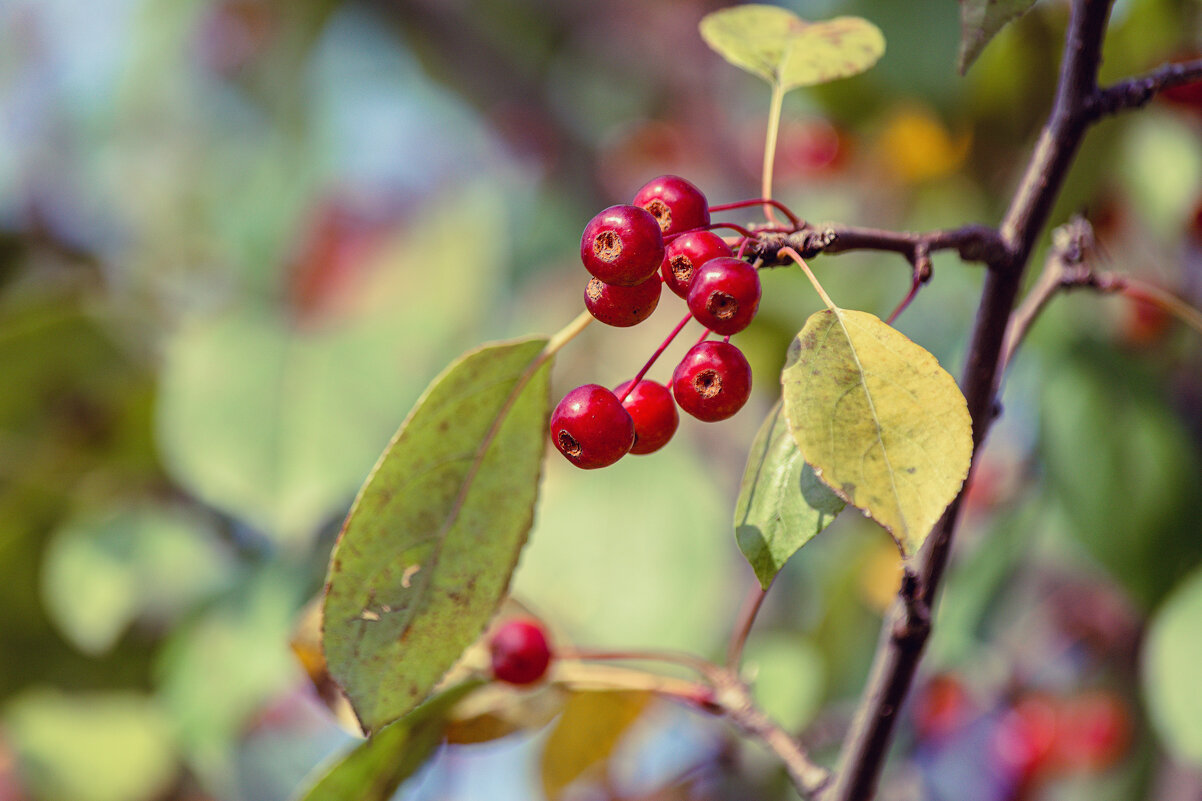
[712,381]
[684,254]
[654,413]
[591,428]
[622,245]
[725,295]
[622,306]
[520,652]
[677,204]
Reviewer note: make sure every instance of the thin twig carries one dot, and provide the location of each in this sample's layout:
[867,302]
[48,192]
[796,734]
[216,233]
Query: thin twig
[1135,92]
[747,614]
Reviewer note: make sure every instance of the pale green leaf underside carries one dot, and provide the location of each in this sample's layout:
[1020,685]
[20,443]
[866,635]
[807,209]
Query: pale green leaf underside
[426,554]
[375,768]
[1170,677]
[880,421]
[782,504]
[780,47]
[980,21]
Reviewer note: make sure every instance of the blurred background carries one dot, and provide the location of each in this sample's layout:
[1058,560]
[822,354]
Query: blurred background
[239,237]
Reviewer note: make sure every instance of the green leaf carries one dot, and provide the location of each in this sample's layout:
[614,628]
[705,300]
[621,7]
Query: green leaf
[90,747]
[426,554]
[782,504]
[788,677]
[881,422]
[1172,653]
[587,733]
[980,21]
[101,573]
[377,766]
[784,49]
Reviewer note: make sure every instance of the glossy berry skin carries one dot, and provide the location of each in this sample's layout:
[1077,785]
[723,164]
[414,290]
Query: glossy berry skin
[654,413]
[622,245]
[712,381]
[622,306]
[684,254]
[520,652]
[591,428]
[677,204]
[725,295]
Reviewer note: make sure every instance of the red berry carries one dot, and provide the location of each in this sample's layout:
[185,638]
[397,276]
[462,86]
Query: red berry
[520,653]
[712,381]
[654,414]
[725,295]
[684,254]
[622,306]
[622,245]
[591,428]
[677,204]
[1096,730]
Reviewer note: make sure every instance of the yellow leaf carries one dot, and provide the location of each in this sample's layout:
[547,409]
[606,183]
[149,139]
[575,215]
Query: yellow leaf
[586,735]
[880,421]
[784,49]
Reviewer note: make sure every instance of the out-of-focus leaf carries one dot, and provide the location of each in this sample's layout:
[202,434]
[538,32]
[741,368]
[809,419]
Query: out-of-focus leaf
[980,21]
[376,767]
[275,425]
[217,672]
[1120,464]
[788,675]
[916,145]
[881,422]
[102,573]
[783,49]
[1172,654]
[498,710]
[426,553]
[782,505]
[95,747]
[585,736]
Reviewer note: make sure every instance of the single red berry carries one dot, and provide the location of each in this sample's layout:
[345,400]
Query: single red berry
[591,428]
[622,245]
[622,306]
[654,414]
[724,295]
[520,652]
[684,254]
[712,381]
[677,204]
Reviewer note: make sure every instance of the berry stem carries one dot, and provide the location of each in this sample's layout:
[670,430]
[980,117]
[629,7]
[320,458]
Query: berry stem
[751,607]
[915,283]
[694,663]
[795,256]
[658,352]
[579,675]
[774,109]
[759,201]
[1137,289]
[566,334]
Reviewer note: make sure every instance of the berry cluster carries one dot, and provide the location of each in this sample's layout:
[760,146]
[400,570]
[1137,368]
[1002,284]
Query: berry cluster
[662,238]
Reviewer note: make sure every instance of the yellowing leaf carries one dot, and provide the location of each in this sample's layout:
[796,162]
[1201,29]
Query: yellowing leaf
[590,728]
[881,422]
[784,49]
[918,147]
[426,554]
[782,505]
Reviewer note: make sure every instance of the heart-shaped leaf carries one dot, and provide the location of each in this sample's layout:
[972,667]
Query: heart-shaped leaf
[784,49]
[426,554]
[782,504]
[980,21]
[881,422]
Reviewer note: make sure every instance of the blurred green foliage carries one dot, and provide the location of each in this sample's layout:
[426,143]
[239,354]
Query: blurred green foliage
[238,237]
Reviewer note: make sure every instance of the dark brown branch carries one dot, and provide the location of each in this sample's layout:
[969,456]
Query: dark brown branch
[975,243]
[1135,92]
[907,624]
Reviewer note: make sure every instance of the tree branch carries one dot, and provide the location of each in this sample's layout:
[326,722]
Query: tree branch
[1135,92]
[907,624]
[975,243]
